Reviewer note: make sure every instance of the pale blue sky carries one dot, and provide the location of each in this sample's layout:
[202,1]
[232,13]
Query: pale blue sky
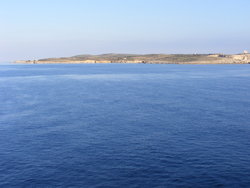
[32,29]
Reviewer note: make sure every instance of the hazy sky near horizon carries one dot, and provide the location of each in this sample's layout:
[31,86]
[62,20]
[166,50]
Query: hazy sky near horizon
[32,29]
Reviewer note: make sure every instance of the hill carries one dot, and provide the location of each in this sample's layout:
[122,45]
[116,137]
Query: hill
[149,58]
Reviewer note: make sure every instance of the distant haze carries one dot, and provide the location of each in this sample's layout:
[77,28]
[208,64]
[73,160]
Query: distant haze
[33,29]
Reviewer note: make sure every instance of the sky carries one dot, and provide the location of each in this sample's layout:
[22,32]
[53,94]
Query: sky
[33,29]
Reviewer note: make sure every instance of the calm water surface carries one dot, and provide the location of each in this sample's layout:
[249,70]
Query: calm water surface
[121,125]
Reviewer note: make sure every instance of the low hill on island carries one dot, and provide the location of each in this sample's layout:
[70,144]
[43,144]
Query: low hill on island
[149,58]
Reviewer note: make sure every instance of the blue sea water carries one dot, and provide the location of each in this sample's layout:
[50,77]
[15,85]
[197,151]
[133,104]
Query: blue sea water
[124,125]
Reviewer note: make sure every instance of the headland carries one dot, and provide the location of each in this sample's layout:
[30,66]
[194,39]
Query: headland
[243,58]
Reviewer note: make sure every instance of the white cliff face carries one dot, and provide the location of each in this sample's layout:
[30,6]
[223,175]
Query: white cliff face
[239,57]
[244,58]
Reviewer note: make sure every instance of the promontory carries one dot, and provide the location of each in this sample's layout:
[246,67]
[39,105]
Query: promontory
[243,58]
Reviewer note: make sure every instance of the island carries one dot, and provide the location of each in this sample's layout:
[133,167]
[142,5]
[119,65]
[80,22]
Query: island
[243,58]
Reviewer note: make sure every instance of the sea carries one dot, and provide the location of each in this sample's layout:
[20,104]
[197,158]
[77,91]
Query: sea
[124,125]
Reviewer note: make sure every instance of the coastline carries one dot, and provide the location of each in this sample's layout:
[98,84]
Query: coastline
[146,59]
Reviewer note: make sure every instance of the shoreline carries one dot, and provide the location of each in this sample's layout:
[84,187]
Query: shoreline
[162,63]
[146,59]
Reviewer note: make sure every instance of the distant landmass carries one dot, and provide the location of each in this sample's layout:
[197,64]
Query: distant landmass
[243,58]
